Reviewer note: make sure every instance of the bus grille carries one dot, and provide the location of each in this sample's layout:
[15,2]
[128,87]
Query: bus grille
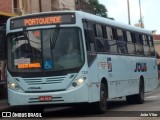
[48,80]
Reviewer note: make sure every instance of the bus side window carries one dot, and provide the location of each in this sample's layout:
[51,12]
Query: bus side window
[98,30]
[100,45]
[89,35]
[90,41]
[146,45]
[110,35]
[139,44]
[137,38]
[151,44]
[129,37]
[145,40]
[100,41]
[121,44]
[130,44]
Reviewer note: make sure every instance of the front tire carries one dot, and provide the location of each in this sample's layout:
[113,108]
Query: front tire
[101,106]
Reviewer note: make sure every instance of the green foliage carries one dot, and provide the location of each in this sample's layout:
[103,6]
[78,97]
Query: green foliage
[99,9]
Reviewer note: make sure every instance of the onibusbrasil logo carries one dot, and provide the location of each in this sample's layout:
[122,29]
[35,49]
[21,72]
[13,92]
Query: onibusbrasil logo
[20,115]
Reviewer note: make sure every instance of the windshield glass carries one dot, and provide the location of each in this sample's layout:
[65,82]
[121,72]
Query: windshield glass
[45,50]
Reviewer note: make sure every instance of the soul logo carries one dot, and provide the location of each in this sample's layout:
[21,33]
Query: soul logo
[140,67]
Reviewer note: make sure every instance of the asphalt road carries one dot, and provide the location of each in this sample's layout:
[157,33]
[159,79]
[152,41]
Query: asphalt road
[118,109]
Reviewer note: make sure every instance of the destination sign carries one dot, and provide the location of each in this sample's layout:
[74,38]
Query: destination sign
[42,19]
[27,66]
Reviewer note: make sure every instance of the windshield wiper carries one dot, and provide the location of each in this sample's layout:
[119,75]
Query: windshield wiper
[26,36]
[28,41]
[53,38]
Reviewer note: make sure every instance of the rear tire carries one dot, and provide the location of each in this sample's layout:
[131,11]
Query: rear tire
[140,96]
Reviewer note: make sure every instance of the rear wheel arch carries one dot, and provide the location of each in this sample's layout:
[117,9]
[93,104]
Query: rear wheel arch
[105,82]
[140,96]
[137,98]
[101,105]
[142,82]
[141,79]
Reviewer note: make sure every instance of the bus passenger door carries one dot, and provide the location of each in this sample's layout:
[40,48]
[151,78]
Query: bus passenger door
[92,65]
[93,78]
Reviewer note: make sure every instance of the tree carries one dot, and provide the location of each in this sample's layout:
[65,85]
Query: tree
[99,9]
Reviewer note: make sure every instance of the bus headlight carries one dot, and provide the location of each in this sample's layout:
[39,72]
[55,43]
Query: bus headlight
[78,82]
[13,86]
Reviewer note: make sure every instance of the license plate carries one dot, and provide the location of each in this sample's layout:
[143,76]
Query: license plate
[45,98]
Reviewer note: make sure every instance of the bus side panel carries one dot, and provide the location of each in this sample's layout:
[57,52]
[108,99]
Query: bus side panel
[141,66]
[121,76]
[115,70]
[123,73]
[151,76]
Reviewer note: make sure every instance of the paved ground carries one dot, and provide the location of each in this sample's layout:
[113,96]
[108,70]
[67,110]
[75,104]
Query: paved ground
[4,104]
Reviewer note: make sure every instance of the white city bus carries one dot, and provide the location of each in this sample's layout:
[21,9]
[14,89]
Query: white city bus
[75,57]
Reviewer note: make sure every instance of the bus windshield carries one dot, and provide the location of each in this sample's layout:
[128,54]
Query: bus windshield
[45,50]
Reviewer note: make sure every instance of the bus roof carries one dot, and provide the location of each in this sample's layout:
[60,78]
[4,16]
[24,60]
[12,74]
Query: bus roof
[95,18]
[111,22]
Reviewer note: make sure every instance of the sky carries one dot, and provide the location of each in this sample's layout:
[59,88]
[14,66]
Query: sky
[149,8]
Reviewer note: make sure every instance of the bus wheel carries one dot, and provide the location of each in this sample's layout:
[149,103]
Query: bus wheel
[36,108]
[140,96]
[101,106]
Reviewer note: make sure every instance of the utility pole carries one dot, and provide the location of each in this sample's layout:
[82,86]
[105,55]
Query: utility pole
[141,22]
[40,6]
[129,21]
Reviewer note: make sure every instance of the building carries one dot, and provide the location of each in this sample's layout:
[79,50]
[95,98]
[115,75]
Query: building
[139,25]
[6,11]
[22,7]
[84,5]
[156,38]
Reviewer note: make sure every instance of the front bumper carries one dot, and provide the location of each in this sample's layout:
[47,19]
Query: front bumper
[76,95]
